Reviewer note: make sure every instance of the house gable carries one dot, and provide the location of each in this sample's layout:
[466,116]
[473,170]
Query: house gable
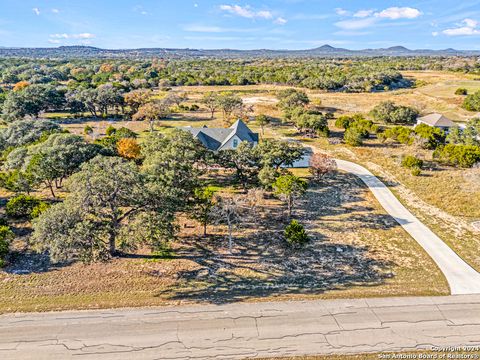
[217,139]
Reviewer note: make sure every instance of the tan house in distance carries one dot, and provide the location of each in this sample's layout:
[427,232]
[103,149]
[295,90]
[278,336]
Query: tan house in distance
[436,120]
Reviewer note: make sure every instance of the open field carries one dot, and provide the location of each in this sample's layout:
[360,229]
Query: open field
[356,251]
[436,94]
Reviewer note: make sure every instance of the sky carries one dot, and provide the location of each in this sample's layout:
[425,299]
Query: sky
[211,24]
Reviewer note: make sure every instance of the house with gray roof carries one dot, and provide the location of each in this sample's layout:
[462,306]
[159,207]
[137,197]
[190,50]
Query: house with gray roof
[436,120]
[217,139]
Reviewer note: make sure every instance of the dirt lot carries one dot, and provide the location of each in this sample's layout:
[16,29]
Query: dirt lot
[356,250]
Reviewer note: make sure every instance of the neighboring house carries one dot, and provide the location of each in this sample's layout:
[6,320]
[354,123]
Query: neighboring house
[217,139]
[436,120]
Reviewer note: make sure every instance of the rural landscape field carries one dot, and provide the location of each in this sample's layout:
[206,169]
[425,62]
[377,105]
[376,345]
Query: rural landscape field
[206,181]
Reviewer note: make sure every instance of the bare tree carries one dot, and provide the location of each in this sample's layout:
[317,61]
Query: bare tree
[320,165]
[210,100]
[254,200]
[228,211]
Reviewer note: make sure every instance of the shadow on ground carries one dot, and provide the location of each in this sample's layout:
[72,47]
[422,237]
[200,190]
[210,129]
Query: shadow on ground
[262,265]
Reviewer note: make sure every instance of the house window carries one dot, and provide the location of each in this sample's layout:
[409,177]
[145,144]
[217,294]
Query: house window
[235,143]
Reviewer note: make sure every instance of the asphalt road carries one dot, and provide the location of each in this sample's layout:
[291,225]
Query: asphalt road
[241,330]
[461,277]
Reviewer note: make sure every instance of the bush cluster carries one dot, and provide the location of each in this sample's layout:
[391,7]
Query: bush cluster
[25,206]
[465,156]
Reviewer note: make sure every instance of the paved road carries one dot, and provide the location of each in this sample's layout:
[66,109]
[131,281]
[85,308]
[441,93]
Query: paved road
[461,277]
[240,330]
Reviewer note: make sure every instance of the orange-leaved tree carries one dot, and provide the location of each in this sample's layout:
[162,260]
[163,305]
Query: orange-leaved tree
[128,148]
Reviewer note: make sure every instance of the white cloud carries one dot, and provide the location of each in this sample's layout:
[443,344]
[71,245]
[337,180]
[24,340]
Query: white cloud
[355,24]
[203,28]
[55,11]
[280,21]
[139,9]
[363,13]
[471,23]
[468,27]
[73,36]
[395,13]
[246,12]
[36,11]
[215,29]
[435,33]
[342,12]
[368,17]
[54,41]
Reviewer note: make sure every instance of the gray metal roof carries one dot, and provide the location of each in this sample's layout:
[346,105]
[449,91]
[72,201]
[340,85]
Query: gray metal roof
[215,138]
[437,120]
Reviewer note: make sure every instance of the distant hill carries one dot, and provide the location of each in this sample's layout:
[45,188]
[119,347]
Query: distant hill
[322,51]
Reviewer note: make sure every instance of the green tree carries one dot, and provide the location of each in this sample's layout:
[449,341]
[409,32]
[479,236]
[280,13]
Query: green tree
[353,136]
[295,234]
[24,132]
[210,100]
[471,102]
[390,113]
[431,137]
[262,120]
[105,198]
[57,158]
[289,187]
[245,160]
[228,103]
[203,203]
[277,153]
[173,163]
[6,237]
[291,98]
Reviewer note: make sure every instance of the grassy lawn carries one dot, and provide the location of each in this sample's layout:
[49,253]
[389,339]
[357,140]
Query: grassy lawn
[356,250]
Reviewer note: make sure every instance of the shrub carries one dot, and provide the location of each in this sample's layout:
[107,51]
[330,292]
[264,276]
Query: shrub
[365,127]
[295,234]
[110,130]
[432,137]
[412,162]
[343,122]
[87,130]
[39,210]
[6,236]
[416,171]
[21,206]
[461,91]
[401,134]
[465,156]
[472,102]
[353,137]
